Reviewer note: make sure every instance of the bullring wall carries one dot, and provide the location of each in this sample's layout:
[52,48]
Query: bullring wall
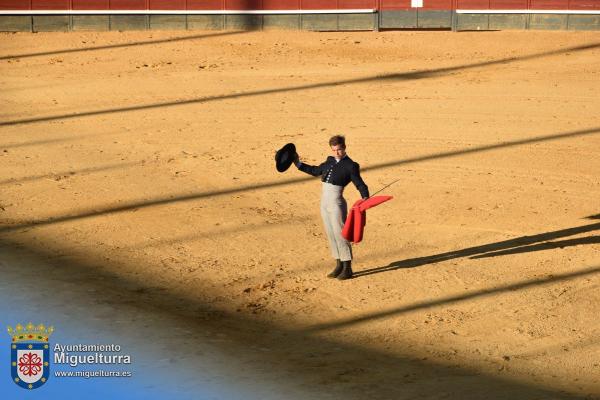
[319,15]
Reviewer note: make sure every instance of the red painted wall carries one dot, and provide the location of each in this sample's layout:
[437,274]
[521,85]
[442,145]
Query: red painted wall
[50,4]
[281,4]
[584,5]
[91,4]
[318,4]
[296,4]
[549,4]
[356,4]
[15,5]
[204,4]
[128,4]
[437,4]
[508,4]
[473,4]
[394,4]
[168,4]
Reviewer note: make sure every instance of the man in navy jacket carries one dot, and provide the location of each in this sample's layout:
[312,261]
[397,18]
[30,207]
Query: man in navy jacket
[336,172]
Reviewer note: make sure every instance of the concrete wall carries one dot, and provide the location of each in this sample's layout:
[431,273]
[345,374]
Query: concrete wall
[415,18]
[313,22]
[16,23]
[468,22]
[394,19]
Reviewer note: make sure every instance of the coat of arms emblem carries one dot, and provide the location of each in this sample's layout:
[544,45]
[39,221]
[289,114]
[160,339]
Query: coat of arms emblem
[30,355]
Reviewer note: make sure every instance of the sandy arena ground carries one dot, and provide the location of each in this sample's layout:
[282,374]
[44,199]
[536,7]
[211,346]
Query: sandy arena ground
[141,164]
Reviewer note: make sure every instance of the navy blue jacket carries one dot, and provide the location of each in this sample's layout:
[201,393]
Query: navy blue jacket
[338,173]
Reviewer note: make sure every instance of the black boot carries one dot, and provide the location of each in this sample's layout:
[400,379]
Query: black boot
[337,270]
[346,271]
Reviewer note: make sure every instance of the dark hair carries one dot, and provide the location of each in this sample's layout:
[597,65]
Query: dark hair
[337,140]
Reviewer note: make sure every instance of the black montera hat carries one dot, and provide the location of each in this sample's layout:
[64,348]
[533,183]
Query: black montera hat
[285,157]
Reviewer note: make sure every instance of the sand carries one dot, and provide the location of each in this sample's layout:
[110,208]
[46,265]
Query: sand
[144,162]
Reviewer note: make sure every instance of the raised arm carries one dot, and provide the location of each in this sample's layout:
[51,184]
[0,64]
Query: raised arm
[358,181]
[310,169]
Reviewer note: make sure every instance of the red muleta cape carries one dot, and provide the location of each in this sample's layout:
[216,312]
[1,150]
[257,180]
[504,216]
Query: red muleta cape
[357,217]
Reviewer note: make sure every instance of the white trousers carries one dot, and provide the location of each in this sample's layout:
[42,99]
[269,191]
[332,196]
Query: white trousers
[333,211]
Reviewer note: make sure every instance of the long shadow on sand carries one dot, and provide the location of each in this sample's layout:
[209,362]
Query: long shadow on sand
[401,76]
[57,176]
[37,143]
[121,45]
[512,246]
[134,205]
[335,368]
[558,244]
[395,312]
